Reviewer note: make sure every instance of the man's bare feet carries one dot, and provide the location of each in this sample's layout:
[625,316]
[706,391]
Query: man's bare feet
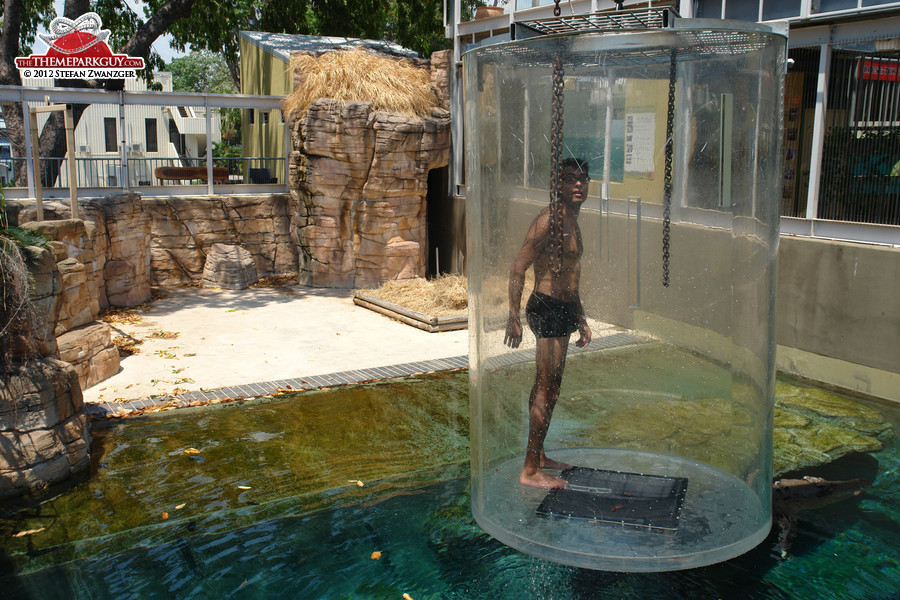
[542,480]
[549,463]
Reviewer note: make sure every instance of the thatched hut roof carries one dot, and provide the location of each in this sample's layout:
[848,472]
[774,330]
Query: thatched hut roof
[390,84]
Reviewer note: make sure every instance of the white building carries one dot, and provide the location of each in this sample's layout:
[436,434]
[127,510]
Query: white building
[842,99]
[144,137]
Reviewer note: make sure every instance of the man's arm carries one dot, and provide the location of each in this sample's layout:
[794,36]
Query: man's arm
[517,280]
[583,330]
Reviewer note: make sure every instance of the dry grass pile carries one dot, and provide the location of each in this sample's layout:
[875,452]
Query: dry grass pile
[446,295]
[389,84]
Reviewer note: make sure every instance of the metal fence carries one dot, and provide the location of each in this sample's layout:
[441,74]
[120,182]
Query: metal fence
[860,174]
[179,149]
[111,173]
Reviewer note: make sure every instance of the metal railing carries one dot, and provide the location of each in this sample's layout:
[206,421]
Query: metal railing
[131,168]
[110,173]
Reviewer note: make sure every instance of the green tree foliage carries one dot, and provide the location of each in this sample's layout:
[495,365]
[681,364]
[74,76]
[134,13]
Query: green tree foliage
[201,72]
[207,73]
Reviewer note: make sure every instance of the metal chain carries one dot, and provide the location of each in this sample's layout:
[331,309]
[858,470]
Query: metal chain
[556,135]
[667,179]
[556,9]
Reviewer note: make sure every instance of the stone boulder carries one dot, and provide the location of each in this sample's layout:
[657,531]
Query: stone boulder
[229,267]
[90,350]
[44,433]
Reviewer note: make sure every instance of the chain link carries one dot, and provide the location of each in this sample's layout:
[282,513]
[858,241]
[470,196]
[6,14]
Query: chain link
[556,137]
[667,179]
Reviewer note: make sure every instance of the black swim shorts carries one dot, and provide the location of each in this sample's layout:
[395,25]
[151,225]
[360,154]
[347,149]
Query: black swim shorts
[550,317]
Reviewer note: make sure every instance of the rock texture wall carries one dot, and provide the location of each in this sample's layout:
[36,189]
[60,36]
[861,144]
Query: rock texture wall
[360,178]
[184,230]
[102,260]
[118,252]
[44,435]
[66,299]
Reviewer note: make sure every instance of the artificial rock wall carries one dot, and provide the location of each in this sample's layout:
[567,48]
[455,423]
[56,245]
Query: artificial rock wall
[359,179]
[101,260]
[183,231]
[44,433]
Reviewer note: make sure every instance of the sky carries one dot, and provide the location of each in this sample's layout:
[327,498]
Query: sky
[161,45]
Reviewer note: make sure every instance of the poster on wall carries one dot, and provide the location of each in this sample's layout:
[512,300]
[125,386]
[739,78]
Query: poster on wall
[640,135]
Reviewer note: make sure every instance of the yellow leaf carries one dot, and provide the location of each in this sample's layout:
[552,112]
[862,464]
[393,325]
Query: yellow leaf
[180,506]
[28,532]
[376,555]
[359,483]
[192,451]
[407,597]
[244,487]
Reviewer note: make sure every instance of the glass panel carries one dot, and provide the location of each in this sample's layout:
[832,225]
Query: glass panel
[667,382]
[780,9]
[829,5]
[746,10]
[708,9]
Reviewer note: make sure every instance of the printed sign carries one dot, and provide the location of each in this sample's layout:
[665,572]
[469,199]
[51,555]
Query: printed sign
[78,50]
[879,69]
[640,133]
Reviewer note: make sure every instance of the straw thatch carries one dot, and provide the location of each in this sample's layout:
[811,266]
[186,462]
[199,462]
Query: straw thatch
[446,295]
[390,84]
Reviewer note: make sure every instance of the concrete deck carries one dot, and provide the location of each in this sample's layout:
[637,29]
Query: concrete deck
[204,343]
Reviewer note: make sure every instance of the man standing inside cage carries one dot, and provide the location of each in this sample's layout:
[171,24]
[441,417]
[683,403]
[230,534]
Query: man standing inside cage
[553,247]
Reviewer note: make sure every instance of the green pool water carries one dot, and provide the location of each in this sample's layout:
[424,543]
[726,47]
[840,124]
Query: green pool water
[262,501]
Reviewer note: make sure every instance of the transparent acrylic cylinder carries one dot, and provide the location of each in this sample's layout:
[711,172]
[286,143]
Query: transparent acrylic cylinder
[678,380]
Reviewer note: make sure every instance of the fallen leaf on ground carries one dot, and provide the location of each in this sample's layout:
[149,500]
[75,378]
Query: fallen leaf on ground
[28,532]
[166,335]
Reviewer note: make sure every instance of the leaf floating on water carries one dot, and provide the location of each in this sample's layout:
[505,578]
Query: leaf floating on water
[165,516]
[192,451]
[180,506]
[407,597]
[376,555]
[356,481]
[28,532]
[244,487]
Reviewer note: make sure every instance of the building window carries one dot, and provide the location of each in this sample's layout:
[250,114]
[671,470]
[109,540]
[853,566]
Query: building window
[265,117]
[109,131]
[780,9]
[150,135]
[252,115]
[743,11]
[709,9]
